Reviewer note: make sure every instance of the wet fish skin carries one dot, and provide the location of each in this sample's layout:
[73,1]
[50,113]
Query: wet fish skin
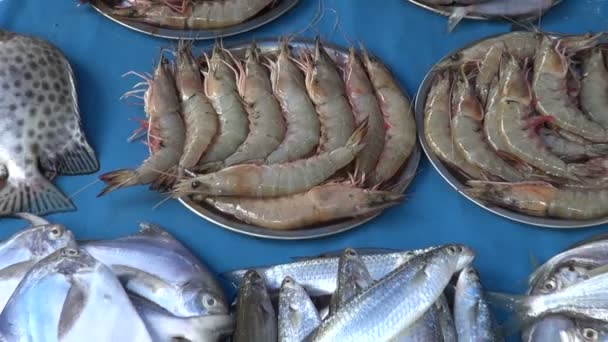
[318,275]
[77,289]
[151,260]
[256,320]
[399,299]
[426,329]
[163,326]
[472,315]
[550,328]
[446,321]
[501,8]
[298,317]
[353,278]
[39,125]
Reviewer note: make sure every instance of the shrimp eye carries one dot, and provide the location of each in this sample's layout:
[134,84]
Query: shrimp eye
[195,184]
[550,285]
[590,334]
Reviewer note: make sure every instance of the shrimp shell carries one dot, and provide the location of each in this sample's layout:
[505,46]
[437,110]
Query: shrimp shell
[400,136]
[320,204]
[221,89]
[249,180]
[326,90]
[364,104]
[569,150]
[303,127]
[266,123]
[594,87]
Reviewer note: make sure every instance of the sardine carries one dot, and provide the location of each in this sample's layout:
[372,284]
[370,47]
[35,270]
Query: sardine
[398,300]
[69,296]
[39,126]
[551,328]
[298,317]
[425,329]
[472,315]
[256,320]
[319,275]
[153,265]
[353,278]
[163,326]
[446,321]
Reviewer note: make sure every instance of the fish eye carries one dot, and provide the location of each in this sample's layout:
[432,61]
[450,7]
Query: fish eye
[288,280]
[350,252]
[55,233]
[590,334]
[451,249]
[571,268]
[550,285]
[208,301]
[70,252]
[195,184]
[472,272]
[3,172]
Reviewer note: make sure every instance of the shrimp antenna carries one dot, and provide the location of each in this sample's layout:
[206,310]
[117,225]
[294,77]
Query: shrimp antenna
[315,19]
[167,197]
[86,186]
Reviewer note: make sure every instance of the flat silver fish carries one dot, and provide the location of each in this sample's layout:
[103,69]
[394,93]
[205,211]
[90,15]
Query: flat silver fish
[256,320]
[398,300]
[163,326]
[298,317]
[39,126]
[353,278]
[472,315]
[71,297]
[154,265]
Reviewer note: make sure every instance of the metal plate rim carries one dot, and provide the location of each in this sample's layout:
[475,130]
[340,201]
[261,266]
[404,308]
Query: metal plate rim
[283,7]
[455,183]
[227,222]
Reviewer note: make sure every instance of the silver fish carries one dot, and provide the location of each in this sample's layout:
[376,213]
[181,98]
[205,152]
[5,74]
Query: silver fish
[256,320]
[398,300]
[83,301]
[472,315]
[353,278]
[298,316]
[153,265]
[446,321]
[426,329]
[39,125]
[22,250]
[163,326]
[319,275]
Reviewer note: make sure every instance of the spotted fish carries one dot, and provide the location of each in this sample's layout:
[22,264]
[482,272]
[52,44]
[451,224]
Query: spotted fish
[40,129]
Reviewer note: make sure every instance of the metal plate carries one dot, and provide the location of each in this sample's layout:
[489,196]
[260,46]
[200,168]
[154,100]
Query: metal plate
[447,11]
[275,10]
[458,182]
[226,221]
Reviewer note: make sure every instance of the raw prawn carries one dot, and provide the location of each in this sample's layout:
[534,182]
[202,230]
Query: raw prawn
[166,133]
[251,180]
[303,127]
[400,135]
[594,87]
[488,72]
[320,204]
[569,150]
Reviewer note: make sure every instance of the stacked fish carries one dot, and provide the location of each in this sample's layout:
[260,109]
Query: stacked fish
[524,118]
[273,147]
[375,296]
[488,9]
[186,14]
[144,287]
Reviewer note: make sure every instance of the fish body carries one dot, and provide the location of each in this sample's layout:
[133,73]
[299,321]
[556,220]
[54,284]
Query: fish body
[39,126]
[256,320]
[472,315]
[298,317]
[501,8]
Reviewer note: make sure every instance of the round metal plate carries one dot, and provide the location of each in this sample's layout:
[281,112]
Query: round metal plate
[458,182]
[277,9]
[447,11]
[226,221]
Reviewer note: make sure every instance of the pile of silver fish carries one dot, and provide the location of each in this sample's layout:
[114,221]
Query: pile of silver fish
[187,14]
[490,9]
[523,117]
[40,129]
[270,139]
[143,287]
[373,296]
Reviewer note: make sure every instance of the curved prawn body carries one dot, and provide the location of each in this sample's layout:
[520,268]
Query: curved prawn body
[365,106]
[303,127]
[488,72]
[251,180]
[543,199]
[166,133]
[468,135]
[326,90]
[437,127]
[320,204]
[400,135]
[195,15]
[266,123]
[221,89]
[569,150]
[552,97]
[594,87]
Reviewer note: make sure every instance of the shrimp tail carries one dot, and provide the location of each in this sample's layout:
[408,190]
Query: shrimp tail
[117,179]
[458,14]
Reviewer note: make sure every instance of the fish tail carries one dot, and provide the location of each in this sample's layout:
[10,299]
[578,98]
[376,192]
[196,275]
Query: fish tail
[35,195]
[456,16]
[518,306]
[117,179]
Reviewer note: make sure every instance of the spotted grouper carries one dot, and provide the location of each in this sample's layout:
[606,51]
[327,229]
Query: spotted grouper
[40,129]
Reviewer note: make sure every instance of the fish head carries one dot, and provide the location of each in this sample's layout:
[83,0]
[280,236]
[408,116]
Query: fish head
[552,328]
[460,254]
[45,239]
[562,277]
[204,301]
[590,331]
[71,260]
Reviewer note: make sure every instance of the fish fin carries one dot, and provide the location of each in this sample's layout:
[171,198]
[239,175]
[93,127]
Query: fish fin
[517,305]
[34,195]
[32,219]
[456,16]
[74,304]
[153,230]
[18,268]
[77,157]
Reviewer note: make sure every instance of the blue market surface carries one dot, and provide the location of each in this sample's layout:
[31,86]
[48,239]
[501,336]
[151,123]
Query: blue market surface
[407,38]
